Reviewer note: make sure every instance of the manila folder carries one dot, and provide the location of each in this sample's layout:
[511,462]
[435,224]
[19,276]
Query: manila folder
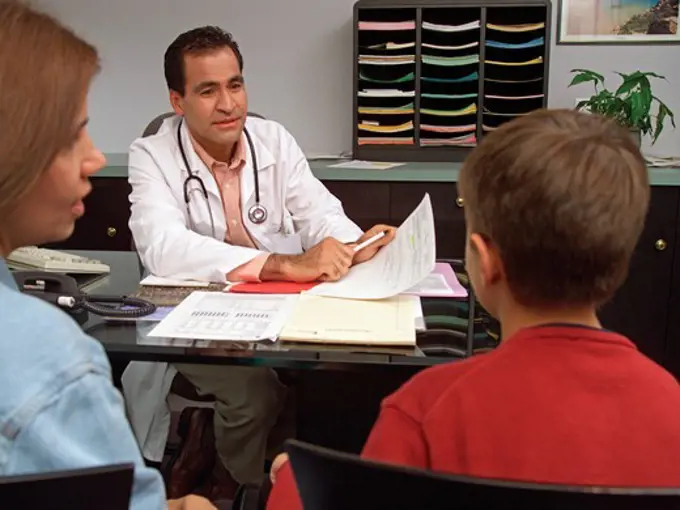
[320,319]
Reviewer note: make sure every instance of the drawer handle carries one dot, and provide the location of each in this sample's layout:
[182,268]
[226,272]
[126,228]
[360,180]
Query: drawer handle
[660,245]
[111,232]
[460,202]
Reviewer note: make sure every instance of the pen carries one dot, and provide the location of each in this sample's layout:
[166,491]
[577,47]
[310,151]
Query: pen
[370,241]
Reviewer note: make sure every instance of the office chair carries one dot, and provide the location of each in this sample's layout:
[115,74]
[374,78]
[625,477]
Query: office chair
[153,126]
[103,488]
[330,480]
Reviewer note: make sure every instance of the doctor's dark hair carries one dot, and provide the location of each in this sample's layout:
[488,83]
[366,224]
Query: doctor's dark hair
[45,75]
[562,196]
[198,41]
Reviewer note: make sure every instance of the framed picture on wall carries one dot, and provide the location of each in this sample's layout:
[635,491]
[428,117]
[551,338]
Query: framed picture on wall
[617,21]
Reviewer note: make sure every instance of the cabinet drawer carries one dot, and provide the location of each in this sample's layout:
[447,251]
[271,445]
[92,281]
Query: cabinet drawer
[104,226]
[639,309]
[365,203]
[449,219]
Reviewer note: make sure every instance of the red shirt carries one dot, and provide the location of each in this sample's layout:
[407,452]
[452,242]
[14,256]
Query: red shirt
[552,404]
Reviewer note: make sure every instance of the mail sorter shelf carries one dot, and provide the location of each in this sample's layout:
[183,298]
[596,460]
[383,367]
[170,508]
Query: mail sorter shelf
[431,79]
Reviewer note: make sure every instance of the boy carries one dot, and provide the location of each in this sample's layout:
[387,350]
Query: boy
[555,203]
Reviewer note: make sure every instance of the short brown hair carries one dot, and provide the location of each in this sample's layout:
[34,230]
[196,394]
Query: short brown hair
[195,42]
[45,73]
[563,196]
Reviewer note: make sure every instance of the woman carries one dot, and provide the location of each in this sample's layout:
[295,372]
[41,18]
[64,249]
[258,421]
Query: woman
[58,407]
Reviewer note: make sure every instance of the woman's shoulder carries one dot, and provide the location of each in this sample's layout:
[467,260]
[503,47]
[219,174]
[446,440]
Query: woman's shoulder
[41,345]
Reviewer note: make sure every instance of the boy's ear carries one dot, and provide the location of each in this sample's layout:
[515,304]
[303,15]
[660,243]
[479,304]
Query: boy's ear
[489,263]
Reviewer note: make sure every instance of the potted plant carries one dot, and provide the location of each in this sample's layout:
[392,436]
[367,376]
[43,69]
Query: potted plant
[630,105]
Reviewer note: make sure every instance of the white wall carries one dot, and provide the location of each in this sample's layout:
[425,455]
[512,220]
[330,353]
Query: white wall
[298,64]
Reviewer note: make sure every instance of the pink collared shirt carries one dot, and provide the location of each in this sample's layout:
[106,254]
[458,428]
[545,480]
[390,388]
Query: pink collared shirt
[228,178]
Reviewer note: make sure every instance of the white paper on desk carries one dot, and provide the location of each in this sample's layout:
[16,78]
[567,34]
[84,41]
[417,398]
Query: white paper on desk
[159,281]
[397,267]
[224,316]
[365,165]
[433,284]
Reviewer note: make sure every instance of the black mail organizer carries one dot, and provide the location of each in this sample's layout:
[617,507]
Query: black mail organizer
[431,78]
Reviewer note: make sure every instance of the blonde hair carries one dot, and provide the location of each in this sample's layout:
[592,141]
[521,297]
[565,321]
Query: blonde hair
[45,74]
[563,196]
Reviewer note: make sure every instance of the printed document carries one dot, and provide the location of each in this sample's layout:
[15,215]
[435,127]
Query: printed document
[397,267]
[224,316]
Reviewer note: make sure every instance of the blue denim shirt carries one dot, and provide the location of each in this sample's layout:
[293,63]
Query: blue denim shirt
[58,407]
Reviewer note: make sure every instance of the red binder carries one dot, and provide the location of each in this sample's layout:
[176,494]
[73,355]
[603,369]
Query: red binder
[271,287]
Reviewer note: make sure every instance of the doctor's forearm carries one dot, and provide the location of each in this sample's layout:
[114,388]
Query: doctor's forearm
[277,267]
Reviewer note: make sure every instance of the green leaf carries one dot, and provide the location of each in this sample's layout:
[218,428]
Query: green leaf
[586,76]
[593,74]
[658,128]
[654,75]
[664,112]
[637,110]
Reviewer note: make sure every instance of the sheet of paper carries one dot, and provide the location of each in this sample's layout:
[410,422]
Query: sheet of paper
[224,316]
[321,319]
[442,282]
[366,165]
[158,281]
[433,284]
[400,265]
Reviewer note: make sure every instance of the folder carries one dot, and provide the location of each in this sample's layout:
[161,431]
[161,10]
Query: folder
[271,287]
[387,322]
[468,110]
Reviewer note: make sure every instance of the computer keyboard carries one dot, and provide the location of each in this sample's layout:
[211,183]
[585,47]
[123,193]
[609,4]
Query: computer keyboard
[43,259]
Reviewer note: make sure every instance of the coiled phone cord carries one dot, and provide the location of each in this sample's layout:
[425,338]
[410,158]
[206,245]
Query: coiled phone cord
[99,305]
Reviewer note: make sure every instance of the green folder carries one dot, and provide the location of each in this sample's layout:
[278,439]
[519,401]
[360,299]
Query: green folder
[402,79]
[470,77]
[470,109]
[450,61]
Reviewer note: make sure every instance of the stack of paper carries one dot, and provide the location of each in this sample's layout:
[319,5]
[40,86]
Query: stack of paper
[451,28]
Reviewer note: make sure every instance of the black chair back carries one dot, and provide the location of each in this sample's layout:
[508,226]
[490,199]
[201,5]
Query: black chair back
[153,126]
[103,488]
[330,480]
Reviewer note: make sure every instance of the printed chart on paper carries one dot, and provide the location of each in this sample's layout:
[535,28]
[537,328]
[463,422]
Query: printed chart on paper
[224,316]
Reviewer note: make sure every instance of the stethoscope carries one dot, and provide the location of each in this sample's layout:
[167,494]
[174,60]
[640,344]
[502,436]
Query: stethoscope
[257,212]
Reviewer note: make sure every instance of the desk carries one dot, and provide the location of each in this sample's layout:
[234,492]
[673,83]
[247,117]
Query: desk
[642,309]
[129,341]
[326,393]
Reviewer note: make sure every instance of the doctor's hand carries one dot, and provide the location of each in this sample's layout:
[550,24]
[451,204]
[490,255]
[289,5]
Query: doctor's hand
[369,252]
[327,261]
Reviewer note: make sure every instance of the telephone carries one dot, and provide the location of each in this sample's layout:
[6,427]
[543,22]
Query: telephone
[62,291]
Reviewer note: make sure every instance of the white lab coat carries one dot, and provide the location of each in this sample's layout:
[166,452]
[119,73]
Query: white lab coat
[175,244]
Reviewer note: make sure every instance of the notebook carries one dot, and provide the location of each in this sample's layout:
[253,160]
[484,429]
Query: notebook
[319,319]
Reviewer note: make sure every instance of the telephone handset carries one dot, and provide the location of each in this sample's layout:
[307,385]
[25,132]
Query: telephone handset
[62,291]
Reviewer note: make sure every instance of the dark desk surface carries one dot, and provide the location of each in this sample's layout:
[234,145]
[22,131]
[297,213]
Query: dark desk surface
[129,340]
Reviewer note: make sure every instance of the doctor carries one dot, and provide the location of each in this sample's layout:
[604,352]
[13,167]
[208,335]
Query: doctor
[219,196]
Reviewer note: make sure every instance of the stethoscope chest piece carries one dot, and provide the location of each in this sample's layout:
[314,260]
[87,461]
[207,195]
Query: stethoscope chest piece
[257,214]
